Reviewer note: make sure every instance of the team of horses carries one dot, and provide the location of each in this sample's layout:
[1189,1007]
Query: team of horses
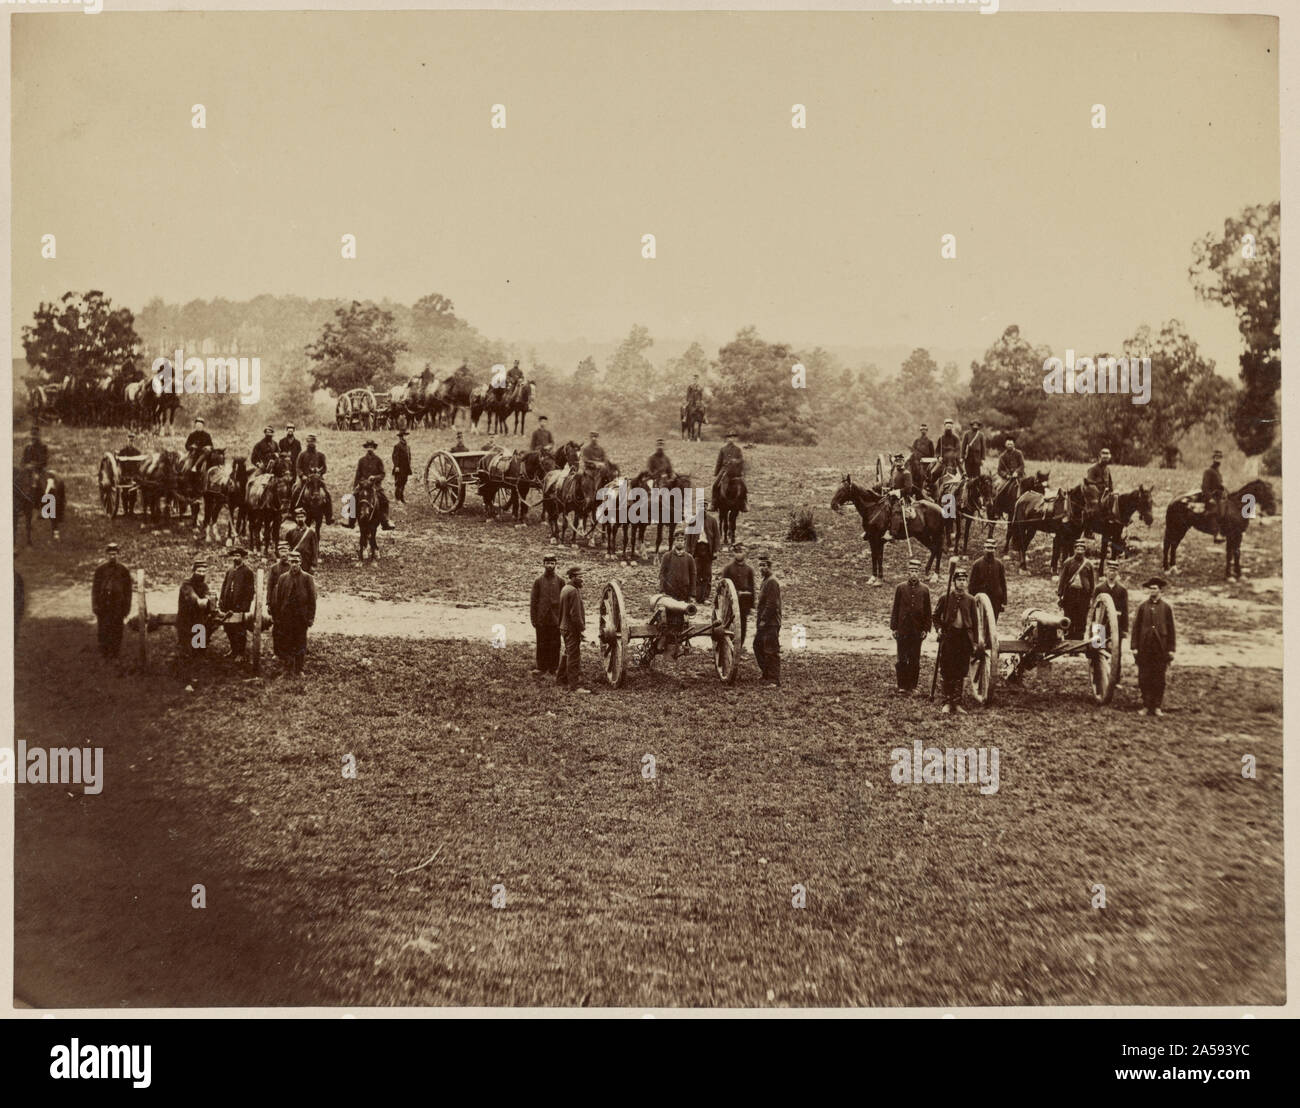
[424,401]
[116,400]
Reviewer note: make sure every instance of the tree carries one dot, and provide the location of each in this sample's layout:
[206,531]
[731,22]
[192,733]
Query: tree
[1243,271]
[81,335]
[358,349]
[629,371]
[918,373]
[754,393]
[1006,388]
[586,373]
[677,374]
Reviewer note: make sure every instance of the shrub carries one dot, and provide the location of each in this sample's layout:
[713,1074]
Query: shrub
[802,526]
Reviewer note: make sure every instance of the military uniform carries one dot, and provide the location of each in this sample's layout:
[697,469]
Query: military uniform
[371,465]
[293,609]
[989,576]
[237,596]
[923,446]
[544,611]
[592,456]
[949,442]
[659,465]
[36,455]
[703,548]
[1074,590]
[542,439]
[312,461]
[973,452]
[767,630]
[1096,484]
[1119,595]
[193,607]
[742,576]
[956,621]
[909,621]
[302,538]
[573,623]
[1154,643]
[291,446]
[110,600]
[198,440]
[1011,464]
[401,469]
[731,459]
[264,453]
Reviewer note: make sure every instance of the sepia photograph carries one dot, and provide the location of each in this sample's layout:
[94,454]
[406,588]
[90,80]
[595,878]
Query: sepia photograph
[646,510]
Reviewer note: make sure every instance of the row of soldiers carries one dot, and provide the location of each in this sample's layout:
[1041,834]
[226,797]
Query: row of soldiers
[290,602]
[954,619]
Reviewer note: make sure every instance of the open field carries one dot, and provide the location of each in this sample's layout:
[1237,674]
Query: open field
[619,890]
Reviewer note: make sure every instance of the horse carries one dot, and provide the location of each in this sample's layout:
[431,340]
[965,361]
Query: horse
[1181,516]
[223,488]
[569,491]
[730,493]
[38,489]
[692,420]
[1109,525]
[264,496]
[1035,511]
[974,496]
[313,498]
[502,471]
[453,393]
[159,474]
[881,516]
[365,498]
[1004,499]
[633,533]
[520,403]
[660,492]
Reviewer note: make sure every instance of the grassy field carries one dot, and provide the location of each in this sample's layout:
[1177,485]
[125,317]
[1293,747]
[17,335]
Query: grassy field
[626,891]
[621,890]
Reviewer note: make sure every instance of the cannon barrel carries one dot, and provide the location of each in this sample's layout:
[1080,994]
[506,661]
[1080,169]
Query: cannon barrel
[670,604]
[1042,618]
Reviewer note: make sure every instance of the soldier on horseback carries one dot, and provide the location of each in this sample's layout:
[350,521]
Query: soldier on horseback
[372,465]
[265,452]
[730,463]
[973,449]
[36,455]
[694,393]
[311,463]
[513,376]
[949,444]
[198,441]
[1212,494]
[659,466]
[1011,465]
[592,456]
[1097,484]
[923,445]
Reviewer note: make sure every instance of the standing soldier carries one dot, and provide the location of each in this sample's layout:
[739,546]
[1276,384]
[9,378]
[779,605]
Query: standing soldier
[36,455]
[742,576]
[909,623]
[1075,588]
[293,608]
[544,611]
[110,600]
[573,625]
[956,621]
[290,446]
[923,445]
[237,596]
[989,576]
[949,443]
[973,449]
[703,547]
[1154,643]
[264,451]
[130,450]
[1212,493]
[659,465]
[1119,594]
[279,567]
[303,539]
[676,579]
[401,467]
[542,438]
[371,465]
[193,610]
[767,626]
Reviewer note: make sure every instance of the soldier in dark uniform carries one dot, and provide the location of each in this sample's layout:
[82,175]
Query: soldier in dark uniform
[949,443]
[277,570]
[194,609]
[129,450]
[676,579]
[544,612]
[694,392]
[730,459]
[293,609]
[514,375]
[290,446]
[1212,493]
[110,600]
[312,461]
[573,625]
[542,438]
[703,547]
[303,539]
[458,447]
[36,454]
[909,622]
[973,449]
[237,596]
[1075,589]
[989,576]
[198,441]
[742,576]
[767,626]
[900,479]
[1011,464]
[1119,594]
[1097,483]
[956,621]
[401,468]
[372,465]
[264,452]
[923,445]
[1154,643]
[659,465]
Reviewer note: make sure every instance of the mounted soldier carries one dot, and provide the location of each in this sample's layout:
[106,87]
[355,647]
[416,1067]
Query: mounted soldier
[730,463]
[36,455]
[542,438]
[948,444]
[592,456]
[973,449]
[265,452]
[1097,485]
[371,465]
[659,466]
[694,393]
[290,446]
[1011,465]
[514,375]
[198,441]
[923,445]
[1212,494]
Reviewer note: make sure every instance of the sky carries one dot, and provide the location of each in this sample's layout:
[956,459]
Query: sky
[678,125]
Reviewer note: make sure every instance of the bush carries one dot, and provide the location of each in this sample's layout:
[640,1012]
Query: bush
[1270,462]
[802,526]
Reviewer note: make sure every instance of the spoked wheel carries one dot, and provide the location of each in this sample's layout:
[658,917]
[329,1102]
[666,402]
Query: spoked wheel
[444,483]
[984,666]
[109,496]
[613,634]
[1103,649]
[255,649]
[726,635]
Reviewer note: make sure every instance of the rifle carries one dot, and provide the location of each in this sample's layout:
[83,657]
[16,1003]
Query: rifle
[947,619]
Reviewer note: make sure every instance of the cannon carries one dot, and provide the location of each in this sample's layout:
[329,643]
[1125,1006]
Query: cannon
[658,635]
[1041,641]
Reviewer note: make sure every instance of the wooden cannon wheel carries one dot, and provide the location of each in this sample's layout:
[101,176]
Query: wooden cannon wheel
[726,631]
[984,666]
[613,632]
[1103,648]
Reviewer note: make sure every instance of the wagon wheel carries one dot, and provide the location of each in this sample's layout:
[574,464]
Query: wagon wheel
[613,634]
[255,654]
[984,668]
[1103,660]
[109,496]
[726,633]
[444,483]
